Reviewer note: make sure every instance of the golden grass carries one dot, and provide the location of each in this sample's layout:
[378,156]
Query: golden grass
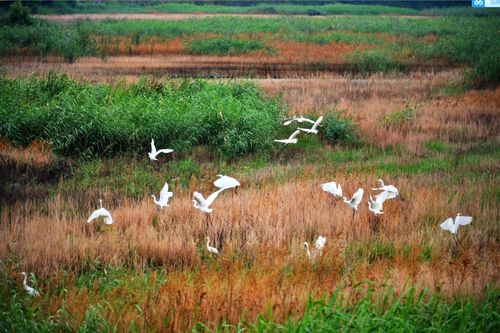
[259,233]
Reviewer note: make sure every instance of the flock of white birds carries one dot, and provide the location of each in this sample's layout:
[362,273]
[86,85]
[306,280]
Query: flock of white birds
[375,203]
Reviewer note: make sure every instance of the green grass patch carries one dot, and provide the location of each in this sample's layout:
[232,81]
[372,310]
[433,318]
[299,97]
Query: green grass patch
[339,128]
[224,46]
[85,120]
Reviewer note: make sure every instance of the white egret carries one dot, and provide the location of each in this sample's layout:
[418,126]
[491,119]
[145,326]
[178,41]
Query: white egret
[31,291]
[375,206]
[355,200]
[204,204]
[392,190]
[226,182]
[291,139]
[152,155]
[164,196]
[211,249]
[333,188]
[101,212]
[319,244]
[453,226]
[314,128]
[299,119]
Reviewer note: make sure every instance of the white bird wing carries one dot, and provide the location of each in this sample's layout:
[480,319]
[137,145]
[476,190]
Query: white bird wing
[306,119]
[164,151]
[383,196]
[199,199]
[448,225]
[289,121]
[320,243]
[165,194]
[212,197]
[317,122]
[294,135]
[463,220]
[358,196]
[153,147]
[101,212]
[332,188]
[226,181]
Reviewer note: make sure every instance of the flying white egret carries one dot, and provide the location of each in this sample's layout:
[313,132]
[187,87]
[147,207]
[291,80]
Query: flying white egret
[319,244]
[314,128]
[375,206]
[453,226]
[211,249]
[164,196]
[291,139]
[392,190]
[31,291]
[355,200]
[204,204]
[226,182]
[152,155]
[101,212]
[332,188]
[299,119]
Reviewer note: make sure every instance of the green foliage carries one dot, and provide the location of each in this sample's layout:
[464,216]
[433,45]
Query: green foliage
[18,14]
[389,311]
[224,46]
[377,60]
[337,128]
[80,119]
[400,119]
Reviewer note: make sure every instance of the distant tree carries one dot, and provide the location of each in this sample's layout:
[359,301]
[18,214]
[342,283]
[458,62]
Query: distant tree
[19,14]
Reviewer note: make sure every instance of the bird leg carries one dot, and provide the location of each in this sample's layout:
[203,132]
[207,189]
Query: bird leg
[401,197]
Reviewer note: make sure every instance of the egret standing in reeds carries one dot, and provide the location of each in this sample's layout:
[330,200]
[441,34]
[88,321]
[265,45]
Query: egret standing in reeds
[211,249]
[314,128]
[319,244]
[164,196]
[31,291]
[101,212]
[152,155]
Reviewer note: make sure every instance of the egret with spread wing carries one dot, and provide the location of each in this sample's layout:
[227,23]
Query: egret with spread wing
[204,204]
[452,226]
[164,196]
[152,155]
[375,206]
[101,212]
[299,119]
[392,190]
[333,188]
[314,128]
[355,200]
[291,139]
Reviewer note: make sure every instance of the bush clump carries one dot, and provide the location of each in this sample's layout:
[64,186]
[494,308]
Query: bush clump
[338,128]
[80,119]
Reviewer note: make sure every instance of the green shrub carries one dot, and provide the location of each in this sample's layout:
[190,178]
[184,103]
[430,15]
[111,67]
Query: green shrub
[81,119]
[224,46]
[377,60]
[400,119]
[337,128]
[18,14]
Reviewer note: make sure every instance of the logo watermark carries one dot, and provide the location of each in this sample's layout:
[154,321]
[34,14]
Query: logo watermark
[485,3]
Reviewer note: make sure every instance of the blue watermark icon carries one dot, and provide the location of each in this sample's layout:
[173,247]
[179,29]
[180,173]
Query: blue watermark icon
[485,3]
